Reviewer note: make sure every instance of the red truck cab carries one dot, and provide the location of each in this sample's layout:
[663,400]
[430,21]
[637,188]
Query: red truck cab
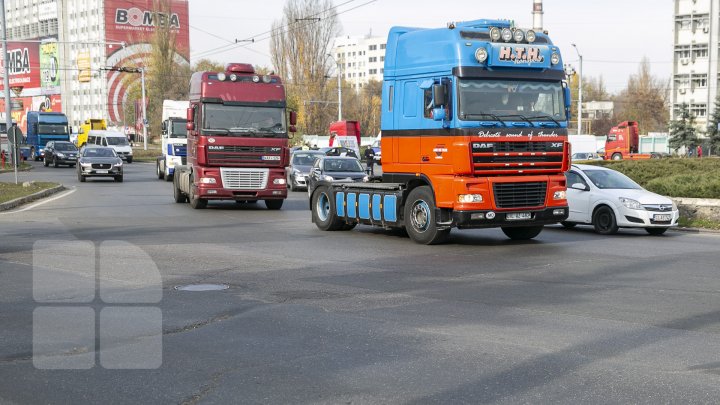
[623,142]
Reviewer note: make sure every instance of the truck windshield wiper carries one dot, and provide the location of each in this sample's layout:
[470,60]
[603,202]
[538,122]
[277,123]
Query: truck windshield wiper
[493,116]
[216,130]
[540,116]
[522,117]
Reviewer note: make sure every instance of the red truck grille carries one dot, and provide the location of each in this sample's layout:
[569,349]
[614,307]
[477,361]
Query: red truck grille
[519,195]
[237,155]
[507,157]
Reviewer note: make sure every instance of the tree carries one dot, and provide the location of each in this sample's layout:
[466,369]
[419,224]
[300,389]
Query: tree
[299,50]
[713,133]
[206,65]
[365,107]
[682,130]
[645,100]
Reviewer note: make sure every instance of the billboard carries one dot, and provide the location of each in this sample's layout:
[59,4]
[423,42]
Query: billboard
[134,23]
[24,65]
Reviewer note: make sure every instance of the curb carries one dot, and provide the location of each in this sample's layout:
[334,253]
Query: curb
[695,230]
[29,198]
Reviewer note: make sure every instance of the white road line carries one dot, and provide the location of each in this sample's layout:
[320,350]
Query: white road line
[29,207]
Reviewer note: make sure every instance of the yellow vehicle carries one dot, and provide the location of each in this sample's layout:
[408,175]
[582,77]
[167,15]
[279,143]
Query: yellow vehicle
[92,123]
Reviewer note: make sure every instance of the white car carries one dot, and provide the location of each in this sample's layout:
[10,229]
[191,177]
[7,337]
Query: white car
[608,200]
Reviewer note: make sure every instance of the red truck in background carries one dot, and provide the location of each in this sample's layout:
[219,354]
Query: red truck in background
[623,142]
[237,139]
[345,133]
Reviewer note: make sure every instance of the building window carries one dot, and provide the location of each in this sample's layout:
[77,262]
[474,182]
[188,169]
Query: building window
[682,81]
[373,71]
[372,47]
[372,59]
[682,22]
[700,51]
[382,46]
[682,51]
[699,81]
[698,110]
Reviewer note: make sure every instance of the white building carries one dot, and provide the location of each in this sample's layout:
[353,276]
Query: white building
[360,58]
[695,62]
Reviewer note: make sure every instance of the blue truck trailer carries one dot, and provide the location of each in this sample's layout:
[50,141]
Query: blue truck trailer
[43,127]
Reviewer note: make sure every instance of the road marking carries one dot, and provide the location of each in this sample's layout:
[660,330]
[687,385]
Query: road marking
[45,201]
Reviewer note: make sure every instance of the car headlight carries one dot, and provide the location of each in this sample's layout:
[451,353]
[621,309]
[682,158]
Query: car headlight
[86,164]
[61,155]
[366,179]
[326,177]
[630,203]
[297,172]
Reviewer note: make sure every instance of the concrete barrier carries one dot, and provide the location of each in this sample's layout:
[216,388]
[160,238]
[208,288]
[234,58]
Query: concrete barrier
[699,208]
[29,198]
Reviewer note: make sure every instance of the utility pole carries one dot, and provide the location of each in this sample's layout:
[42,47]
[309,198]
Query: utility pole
[339,86]
[6,82]
[579,90]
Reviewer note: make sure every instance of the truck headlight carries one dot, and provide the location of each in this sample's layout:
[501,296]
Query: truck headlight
[279,181]
[560,195]
[208,180]
[470,198]
[630,203]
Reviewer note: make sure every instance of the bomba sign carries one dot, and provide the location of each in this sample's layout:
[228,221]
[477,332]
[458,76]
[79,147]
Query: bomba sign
[139,18]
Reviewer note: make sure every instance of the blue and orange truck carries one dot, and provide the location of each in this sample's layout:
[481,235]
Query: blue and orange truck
[474,135]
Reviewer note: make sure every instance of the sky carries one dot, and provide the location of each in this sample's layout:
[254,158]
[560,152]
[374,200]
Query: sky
[613,36]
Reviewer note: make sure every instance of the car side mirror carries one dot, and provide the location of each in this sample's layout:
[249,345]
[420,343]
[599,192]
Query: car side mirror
[579,186]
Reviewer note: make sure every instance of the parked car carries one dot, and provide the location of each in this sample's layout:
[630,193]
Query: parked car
[97,161]
[301,162]
[341,151]
[608,200]
[335,168]
[60,153]
[584,156]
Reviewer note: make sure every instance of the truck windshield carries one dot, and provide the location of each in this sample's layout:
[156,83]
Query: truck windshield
[52,129]
[179,129]
[244,121]
[492,100]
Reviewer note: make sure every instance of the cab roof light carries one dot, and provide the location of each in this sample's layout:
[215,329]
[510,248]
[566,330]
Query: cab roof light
[530,36]
[506,34]
[494,34]
[518,35]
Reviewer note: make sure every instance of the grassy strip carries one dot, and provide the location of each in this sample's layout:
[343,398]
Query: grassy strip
[11,191]
[672,177]
[699,223]
[142,155]
[9,169]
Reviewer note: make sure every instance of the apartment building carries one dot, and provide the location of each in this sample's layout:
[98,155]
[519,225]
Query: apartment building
[360,59]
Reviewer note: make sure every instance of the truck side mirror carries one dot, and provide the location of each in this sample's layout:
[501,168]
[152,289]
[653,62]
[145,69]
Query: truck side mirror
[190,115]
[293,119]
[566,90]
[163,126]
[439,94]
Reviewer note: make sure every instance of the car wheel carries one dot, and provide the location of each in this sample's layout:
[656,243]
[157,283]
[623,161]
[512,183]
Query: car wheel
[45,162]
[81,178]
[119,178]
[274,204]
[178,195]
[195,201]
[420,221]
[567,224]
[522,232]
[129,159]
[604,221]
[323,210]
[656,231]
[55,163]
[617,156]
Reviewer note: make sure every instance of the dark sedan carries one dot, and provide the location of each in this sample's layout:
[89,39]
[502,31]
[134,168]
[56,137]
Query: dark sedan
[300,164]
[60,153]
[99,162]
[341,151]
[336,168]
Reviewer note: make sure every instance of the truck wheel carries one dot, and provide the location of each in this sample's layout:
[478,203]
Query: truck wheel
[522,232]
[617,156]
[157,170]
[274,204]
[167,176]
[604,221]
[195,201]
[178,195]
[656,231]
[420,221]
[323,210]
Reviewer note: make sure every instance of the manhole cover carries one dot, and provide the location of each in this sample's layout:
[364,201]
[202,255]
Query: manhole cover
[202,287]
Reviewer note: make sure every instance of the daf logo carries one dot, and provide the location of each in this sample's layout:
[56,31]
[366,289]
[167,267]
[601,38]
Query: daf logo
[214,147]
[484,145]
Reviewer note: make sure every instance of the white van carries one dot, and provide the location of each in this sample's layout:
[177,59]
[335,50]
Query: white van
[112,139]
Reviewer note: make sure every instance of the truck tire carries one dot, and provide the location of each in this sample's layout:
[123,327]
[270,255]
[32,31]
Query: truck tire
[157,170]
[420,221]
[604,221]
[274,204]
[323,210]
[178,195]
[617,156]
[195,201]
[522,232]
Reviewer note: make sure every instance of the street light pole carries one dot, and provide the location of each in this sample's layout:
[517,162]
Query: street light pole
[579,131]
[144,122]
[12,143]
[339,86]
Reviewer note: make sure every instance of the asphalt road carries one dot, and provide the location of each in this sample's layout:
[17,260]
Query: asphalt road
[364,316]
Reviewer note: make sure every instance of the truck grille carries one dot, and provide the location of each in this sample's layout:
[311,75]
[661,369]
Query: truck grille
[244,179]
[519,195]
[491,158]
[255,155]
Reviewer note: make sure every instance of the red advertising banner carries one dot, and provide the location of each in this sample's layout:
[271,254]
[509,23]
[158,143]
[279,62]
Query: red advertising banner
[134,23]
[21,105]
[24,65]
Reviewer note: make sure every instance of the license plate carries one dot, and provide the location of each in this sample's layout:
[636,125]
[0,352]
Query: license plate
[662,217]
[518,216]
[101,171]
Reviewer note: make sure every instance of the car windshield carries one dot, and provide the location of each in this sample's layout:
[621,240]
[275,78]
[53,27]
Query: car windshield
[117,141]
[65,146]
[342,165]
[304,159]
[241,120]
[490,100]
[99,152]
[608,179]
